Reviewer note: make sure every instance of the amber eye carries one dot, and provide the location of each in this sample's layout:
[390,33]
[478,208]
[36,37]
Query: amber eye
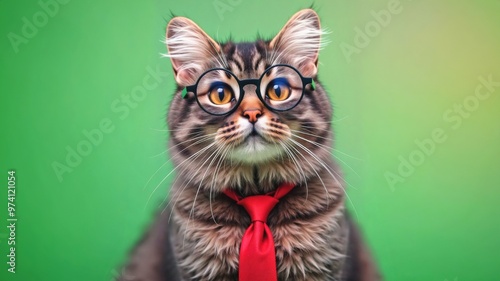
[278,90]
[220,94]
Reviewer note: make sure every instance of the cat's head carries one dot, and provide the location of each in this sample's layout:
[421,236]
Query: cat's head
[253,104]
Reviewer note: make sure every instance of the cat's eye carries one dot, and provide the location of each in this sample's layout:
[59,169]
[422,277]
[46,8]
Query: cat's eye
[220,94]
[278,90]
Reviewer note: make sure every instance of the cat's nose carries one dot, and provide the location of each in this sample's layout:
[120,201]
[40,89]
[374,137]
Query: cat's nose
[252,114]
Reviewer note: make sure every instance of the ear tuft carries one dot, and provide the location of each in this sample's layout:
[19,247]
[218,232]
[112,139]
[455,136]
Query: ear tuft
[189,49]
[299,41]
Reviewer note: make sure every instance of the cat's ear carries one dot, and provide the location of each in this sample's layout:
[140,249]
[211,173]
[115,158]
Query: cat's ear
[189,49]
[300,41]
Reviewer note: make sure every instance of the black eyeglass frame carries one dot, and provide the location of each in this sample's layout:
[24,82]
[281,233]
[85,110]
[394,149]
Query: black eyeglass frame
[243,83]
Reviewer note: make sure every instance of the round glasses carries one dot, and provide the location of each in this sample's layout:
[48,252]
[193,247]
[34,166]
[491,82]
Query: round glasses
[219,92]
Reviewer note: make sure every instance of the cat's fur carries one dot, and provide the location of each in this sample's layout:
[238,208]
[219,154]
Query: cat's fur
[198,236]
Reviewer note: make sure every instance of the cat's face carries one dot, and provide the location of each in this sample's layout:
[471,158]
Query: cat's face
[253,133]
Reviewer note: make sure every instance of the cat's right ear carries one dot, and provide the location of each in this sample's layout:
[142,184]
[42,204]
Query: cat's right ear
[300,41]
[189,49]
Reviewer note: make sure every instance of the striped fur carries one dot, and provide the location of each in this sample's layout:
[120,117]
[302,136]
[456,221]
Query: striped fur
[212,153]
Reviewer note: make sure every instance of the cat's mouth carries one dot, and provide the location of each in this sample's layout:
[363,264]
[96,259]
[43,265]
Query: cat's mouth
[256,136]
[254,133]
[253,142]
[253,136]
[255,148]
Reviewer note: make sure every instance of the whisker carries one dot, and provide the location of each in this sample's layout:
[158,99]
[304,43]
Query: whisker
[323,147]
[181,129]
[326,169]
[325,122]
[179,190]
[314,170]
[198,189]
[216,152]
[202,139]
[188,140]
[296,163]
[337,150]
[217,167]
[312,135]
[164,178]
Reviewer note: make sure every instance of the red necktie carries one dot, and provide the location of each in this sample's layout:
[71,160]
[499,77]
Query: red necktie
[257,257]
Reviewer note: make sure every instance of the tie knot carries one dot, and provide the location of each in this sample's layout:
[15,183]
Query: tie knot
[258,207]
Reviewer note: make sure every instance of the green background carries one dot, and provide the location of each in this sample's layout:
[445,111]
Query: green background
[441,222]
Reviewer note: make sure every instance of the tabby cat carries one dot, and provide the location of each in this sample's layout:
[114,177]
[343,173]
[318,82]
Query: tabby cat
[248,117]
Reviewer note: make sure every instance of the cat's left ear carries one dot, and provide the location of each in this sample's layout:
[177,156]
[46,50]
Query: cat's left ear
[189,49]
[300,41]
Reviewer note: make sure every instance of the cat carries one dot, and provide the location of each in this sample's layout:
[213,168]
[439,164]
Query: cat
[250,138]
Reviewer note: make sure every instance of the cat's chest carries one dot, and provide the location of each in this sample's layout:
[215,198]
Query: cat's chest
[208,249]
